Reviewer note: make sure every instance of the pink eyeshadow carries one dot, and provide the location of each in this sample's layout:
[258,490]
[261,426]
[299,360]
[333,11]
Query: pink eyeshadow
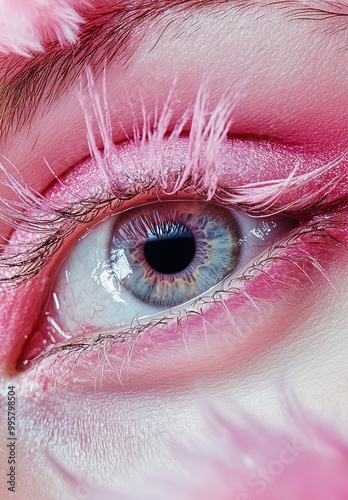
[239,162]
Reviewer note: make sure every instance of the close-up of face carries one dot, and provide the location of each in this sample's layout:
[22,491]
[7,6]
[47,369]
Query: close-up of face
[174,231]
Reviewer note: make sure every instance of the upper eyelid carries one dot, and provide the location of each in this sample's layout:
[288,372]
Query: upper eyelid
[198,177]
[60,222]
[22,92]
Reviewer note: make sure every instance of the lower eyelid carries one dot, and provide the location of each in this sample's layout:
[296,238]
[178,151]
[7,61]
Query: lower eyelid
[19,307]
[220,333]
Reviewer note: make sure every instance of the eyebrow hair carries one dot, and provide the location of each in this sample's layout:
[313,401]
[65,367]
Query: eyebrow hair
[108,33]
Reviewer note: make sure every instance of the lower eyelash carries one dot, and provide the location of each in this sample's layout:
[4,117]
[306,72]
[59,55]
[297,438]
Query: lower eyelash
[51,224]
[317,234]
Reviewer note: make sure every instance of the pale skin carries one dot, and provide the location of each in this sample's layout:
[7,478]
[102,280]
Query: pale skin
[294,88]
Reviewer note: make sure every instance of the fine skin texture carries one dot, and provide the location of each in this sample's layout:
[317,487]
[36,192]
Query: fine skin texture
[289,81]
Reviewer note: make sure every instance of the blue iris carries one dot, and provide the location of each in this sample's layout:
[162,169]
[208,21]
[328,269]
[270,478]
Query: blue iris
[176,251]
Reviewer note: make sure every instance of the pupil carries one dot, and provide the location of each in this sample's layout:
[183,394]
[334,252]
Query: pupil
[172,251]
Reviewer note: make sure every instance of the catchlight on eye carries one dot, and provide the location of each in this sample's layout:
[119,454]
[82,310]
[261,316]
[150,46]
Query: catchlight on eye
[146,260]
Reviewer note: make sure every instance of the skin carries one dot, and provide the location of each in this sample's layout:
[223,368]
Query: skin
[133,425]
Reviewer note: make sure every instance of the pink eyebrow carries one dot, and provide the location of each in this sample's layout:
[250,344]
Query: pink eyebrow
[111,31]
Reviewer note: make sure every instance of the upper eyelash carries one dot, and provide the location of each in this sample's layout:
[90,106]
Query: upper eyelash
[59,223]
[33,213]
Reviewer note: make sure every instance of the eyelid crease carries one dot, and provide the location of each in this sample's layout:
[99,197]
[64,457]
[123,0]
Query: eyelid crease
[317,234]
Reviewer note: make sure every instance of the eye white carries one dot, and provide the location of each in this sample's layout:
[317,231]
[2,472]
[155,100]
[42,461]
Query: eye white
[87,295]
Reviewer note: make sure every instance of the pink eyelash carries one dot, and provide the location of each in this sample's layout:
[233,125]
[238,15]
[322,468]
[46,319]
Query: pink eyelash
[47,224]
[27,24]
[244,459]
[208,131]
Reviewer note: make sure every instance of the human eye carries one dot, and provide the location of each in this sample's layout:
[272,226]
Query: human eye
[251,219]
[187,127]
[143,263]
